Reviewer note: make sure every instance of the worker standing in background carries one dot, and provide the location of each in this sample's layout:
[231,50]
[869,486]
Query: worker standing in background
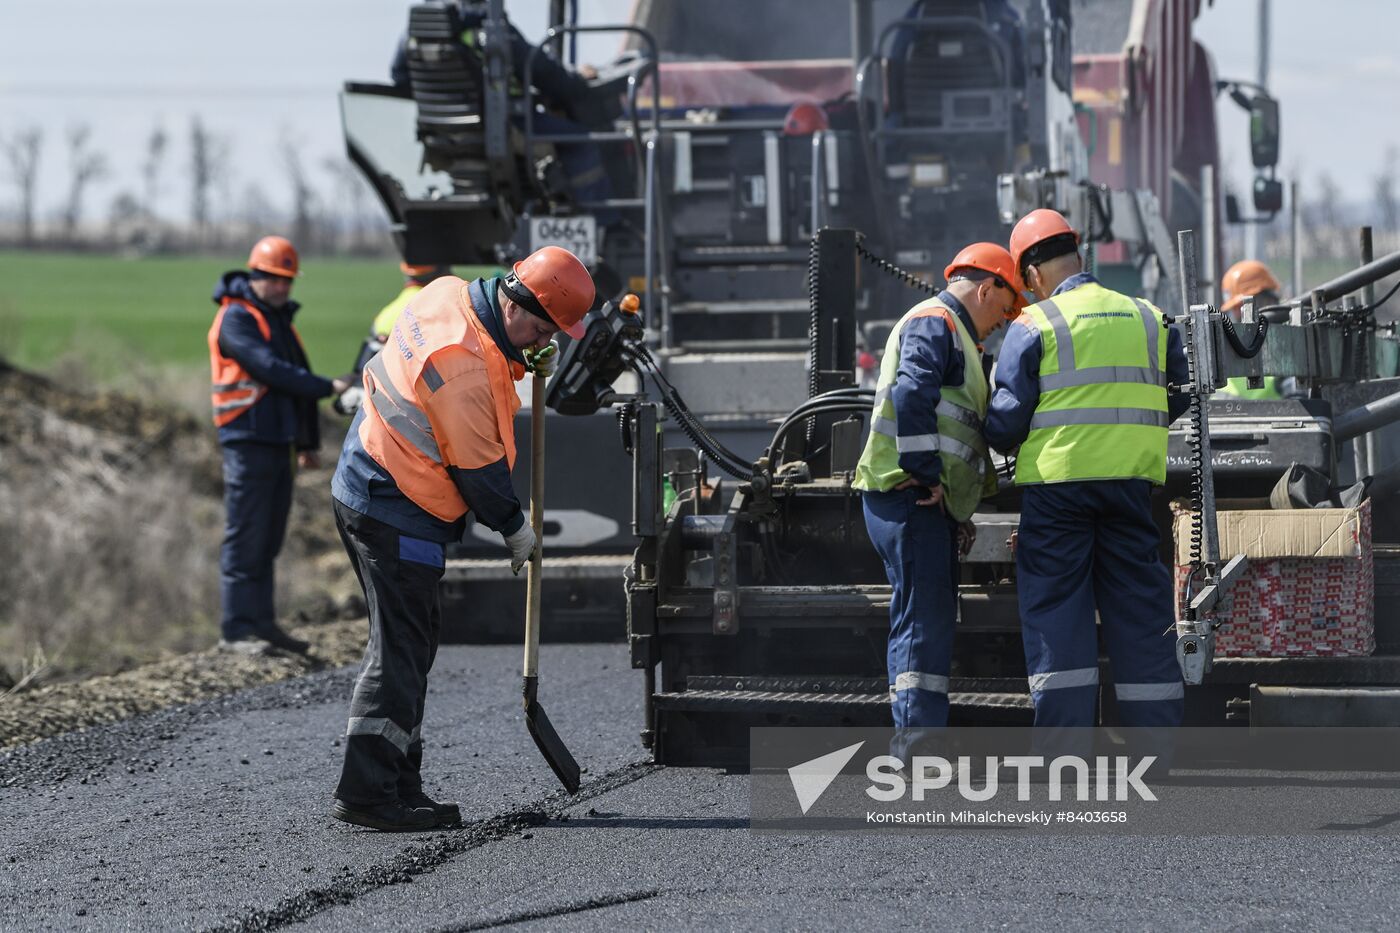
[925,467]
[264,395]
[415,277]
[1081,387]
[1250,278]
[434,441]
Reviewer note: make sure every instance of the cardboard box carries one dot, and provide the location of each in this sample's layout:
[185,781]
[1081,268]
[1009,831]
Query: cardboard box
[1309,589]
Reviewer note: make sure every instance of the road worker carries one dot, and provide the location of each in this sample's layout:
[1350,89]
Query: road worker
[415,277]
[1250,278]
[1081,388]
[925,467]
[432,446]
[264,395]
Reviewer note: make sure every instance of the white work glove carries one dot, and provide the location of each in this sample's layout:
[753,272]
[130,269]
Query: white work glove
[543,361]
[349,401]
[522,546]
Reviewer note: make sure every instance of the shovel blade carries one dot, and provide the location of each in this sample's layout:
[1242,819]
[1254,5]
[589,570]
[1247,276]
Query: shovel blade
[552,747]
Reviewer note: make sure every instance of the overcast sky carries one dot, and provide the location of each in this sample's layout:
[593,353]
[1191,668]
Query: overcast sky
[259,70]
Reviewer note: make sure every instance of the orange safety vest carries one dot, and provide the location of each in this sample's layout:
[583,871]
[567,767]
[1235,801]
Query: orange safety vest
[402,428]
[234,391]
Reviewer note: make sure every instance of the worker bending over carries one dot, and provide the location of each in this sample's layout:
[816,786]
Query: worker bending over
[434,441]
[1081,386]
[925,467]
[264,395]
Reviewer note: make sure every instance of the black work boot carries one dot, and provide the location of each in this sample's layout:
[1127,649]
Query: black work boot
[393,817]
[449,814]
[276,636]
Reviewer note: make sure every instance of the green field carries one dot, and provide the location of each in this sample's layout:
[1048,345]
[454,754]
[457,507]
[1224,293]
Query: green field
[108,313]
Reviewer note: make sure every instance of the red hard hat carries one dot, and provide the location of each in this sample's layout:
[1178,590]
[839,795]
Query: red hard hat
[274,255]
[1033,229]
[989,258]
[560,283]
[1245,279]
[805,119]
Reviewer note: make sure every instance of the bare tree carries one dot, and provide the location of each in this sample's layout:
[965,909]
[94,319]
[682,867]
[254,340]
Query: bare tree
[1322,220]
[350,194]
[200,173]
[208,165]
[84,167]
[156,145]
[22,153]
[258,214]
[1385,194]
[126,225]
[303,196]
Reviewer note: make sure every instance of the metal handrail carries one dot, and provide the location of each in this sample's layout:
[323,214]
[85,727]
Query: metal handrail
[558,31]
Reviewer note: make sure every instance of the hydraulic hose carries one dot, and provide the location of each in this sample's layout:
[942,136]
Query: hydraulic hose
[1232,335]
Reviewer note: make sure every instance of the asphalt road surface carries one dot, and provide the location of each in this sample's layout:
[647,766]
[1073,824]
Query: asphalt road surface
[215,816]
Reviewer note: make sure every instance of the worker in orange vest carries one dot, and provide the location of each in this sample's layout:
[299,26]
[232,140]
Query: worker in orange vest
[431,448]
[264,396]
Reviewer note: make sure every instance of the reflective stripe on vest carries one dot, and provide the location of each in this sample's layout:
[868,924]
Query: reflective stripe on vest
[1102,411]
[397,432]
[967,472]
[232,390]
[403,416]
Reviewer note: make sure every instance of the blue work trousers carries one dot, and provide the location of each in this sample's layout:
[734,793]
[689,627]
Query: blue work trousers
[1093,545]
[918,545]
[384,738]
[257,498]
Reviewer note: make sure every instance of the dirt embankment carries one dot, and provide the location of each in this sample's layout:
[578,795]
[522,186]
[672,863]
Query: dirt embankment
[110,521]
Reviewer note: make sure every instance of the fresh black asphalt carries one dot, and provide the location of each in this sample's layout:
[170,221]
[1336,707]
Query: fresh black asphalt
[215,816]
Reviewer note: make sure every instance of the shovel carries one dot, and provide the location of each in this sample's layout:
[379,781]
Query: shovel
[541,729]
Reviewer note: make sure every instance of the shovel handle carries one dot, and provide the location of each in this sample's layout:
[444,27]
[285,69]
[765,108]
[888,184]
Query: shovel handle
[535,578]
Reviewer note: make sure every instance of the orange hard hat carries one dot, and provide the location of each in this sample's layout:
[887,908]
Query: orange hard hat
[805,119]
[422,272]
[556,283]
[1032,230]
[989,258]
[275,255]
[1245,279]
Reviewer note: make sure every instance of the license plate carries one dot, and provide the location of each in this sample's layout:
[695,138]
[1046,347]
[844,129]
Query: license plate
[578,235]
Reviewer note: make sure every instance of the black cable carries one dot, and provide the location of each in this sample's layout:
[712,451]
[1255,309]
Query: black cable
[723,457]
[1232,335]
[775,445]
[884,265]
[1102,203]
[813,319]
[624,426]
[1388,295]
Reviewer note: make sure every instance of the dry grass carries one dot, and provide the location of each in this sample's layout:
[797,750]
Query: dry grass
[35,714]
[110,521]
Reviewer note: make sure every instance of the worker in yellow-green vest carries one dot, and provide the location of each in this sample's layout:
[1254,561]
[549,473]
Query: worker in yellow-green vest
[415,277]
[925,467]
[1081,388]
[1246,279]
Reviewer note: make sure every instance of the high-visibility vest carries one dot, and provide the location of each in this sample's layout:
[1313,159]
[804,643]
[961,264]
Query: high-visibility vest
[967,467]
[234,391]
[384,320]
[1238,387]
[400,380]
[1102,412]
